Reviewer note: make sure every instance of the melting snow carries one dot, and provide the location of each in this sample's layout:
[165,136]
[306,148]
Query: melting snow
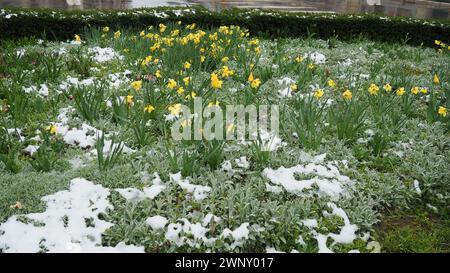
[102,55]
[69,224]
[156,222]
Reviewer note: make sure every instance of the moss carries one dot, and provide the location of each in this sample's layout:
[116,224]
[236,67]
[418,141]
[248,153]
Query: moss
[417,231]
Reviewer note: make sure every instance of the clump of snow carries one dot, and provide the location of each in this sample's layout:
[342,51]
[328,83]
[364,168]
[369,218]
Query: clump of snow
[69,224]
[156,222]
[30,149]
[417,187]
[325,176]
[316,57]
[199,192]
[135,195]
[102,55]
[242,162]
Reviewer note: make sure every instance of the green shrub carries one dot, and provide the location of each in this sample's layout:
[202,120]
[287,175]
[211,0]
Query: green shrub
[63,24]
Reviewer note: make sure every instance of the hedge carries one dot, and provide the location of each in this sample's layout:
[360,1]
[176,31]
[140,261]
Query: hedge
[63,24]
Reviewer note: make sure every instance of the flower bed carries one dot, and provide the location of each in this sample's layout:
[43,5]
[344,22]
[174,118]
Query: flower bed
[363,126]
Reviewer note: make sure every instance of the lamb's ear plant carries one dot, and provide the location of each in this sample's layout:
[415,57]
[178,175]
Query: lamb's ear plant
[108,160]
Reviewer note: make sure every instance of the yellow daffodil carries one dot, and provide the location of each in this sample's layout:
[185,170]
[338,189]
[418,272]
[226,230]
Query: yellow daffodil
[105,29]
[423,90]
[187,65]
[442,111]
[299,59]
[77,38]
[293,87]
[142,33]
[255,83]
[175,109]
[226,72]
[136,85]
[51,129]
[202,59]
[180,90]
[129,100]
[117,34]
[230,128]
[318,93]
[387,87]
[311,66]
[216,83]
[415,90]
[172,84]
[191,95]
[225,59]
[400,91]
[158,74]
[162,28]
[347,95]
[250,77]
[149,108]
[436,79]
[213,103]
[187,80]
[331,83]
[373,89]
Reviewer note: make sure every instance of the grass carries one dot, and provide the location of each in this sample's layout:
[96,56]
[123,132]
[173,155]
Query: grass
[101,107]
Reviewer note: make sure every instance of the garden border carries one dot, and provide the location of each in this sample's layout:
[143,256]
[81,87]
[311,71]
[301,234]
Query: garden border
[17,23]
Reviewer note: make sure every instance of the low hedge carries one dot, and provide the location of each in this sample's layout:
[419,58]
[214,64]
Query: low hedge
[62,24]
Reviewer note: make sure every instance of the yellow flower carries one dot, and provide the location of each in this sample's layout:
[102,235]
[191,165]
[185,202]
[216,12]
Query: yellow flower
[255,83]
[158,74]
[180,90]
[293,87]
[331,83]
[373,89]
[117,34]
[311,66]
[149,108]
[191,95]
[213,103]
[400,91]
[187,65]
[318,93]
[175,109]
[172,84]
[185,123]
[202,59]
[347,95]
[415,90]
[226,72]
[257,50]
[187,80]
[423,90]
[225,59]
[442,111]
[142,33]
[162,28]
[437,42]
[51,129]
[250,77]
[77,38]
[387,87]
[105,29]
[129,100]
[299,59]
[230,128]
[436,79]
[215,82]
[156,61]
[126,50]
[136,85]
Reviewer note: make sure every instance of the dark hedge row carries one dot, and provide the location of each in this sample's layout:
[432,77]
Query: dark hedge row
[60,24]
